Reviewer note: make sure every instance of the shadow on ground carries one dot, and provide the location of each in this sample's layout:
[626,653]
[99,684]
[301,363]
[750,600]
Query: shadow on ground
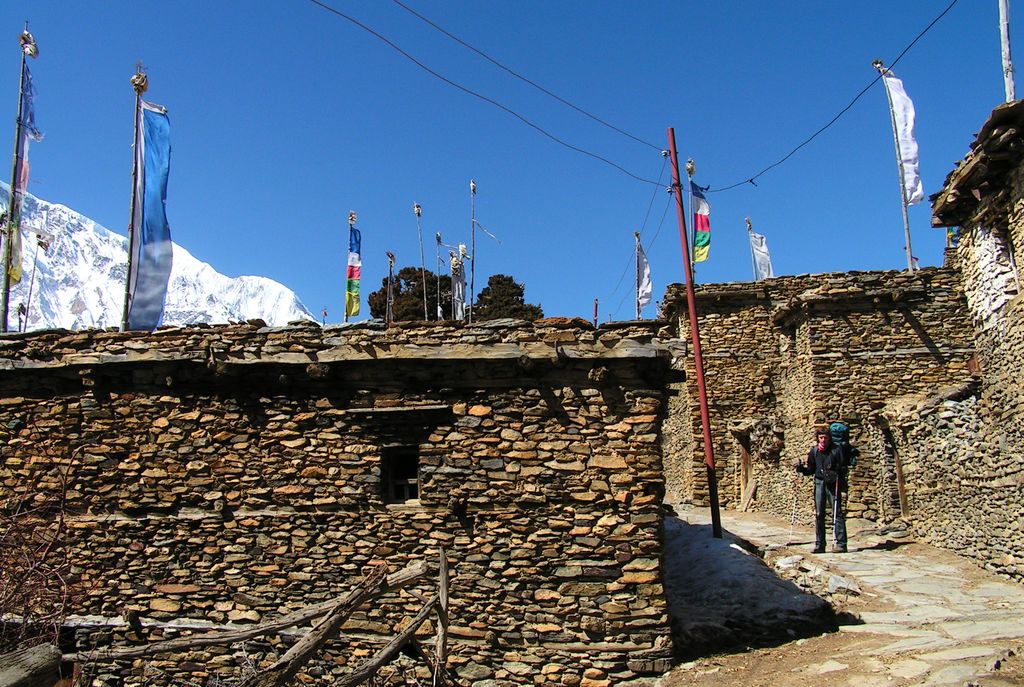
[722,597]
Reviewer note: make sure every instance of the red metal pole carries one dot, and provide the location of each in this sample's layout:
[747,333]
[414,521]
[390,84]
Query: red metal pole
[698,360]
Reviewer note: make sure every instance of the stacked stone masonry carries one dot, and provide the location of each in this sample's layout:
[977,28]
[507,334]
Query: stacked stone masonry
[787,354]
[961,449]
[228,475]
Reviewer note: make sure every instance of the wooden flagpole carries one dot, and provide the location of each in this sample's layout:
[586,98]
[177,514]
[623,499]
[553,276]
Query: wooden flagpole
[1004,39]
[389,312]
[705,420]
[348,253]
[13,218]
[437,238]
[140,84]
[472,249]
[418,210]
[691,234]
[636,255]
[750,240]
[877,64]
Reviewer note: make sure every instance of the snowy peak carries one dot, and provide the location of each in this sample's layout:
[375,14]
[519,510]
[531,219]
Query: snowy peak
[79,281]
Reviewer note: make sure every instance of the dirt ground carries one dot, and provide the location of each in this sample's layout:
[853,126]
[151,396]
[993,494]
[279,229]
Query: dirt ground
[832,659]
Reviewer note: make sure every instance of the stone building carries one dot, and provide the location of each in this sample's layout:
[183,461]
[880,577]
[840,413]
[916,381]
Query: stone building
[962,448]
[926,368]
[227,475]
[786,354]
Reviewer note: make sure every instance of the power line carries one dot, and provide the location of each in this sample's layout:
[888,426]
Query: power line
[813,136]
[522,78]
[642,226]
[473,93]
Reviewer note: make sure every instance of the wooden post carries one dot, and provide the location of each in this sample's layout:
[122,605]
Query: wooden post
[698,360]
[417,210]
[441,643]
[140,83]
[13,214]
[37,666]
[882,69]
[1004,36]
[472,247]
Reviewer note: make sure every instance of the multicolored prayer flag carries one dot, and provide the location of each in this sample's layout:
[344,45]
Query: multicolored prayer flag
[27,131]
[354,272]
[701,224]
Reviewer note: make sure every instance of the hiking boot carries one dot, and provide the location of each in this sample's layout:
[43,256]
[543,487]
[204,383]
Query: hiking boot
[838,549]
[818,549]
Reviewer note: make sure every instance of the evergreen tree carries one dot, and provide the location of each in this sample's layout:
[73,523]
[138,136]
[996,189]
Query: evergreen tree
[503,297]
[408,296]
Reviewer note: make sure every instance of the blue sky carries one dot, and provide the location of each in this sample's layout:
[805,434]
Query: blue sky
[284,117]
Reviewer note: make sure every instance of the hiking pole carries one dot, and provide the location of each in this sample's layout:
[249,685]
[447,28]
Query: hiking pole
[835,517]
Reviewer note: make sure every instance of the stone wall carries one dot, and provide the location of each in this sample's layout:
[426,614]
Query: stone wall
[228,475]
[788,353]
[959,454]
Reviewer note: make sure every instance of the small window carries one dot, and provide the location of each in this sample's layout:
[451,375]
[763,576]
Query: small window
[400,473]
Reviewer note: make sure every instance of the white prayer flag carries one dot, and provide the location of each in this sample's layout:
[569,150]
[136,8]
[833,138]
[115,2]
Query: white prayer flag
[903,111]
[645,288]
[762,260]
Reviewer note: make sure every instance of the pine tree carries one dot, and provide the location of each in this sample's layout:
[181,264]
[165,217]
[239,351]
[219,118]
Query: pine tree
[408,295]
[503,297]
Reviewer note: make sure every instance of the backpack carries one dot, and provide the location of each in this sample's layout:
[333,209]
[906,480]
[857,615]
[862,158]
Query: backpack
[840,434]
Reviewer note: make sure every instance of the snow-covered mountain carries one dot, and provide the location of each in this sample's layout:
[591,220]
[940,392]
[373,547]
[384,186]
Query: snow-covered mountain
[79,282]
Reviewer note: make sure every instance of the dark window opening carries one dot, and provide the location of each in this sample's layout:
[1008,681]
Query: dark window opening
[400,473]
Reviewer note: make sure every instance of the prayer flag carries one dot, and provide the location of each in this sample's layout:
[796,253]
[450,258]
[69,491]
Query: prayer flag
[458,288]
[150,241]
[645,288]
[762,260]
[701,224]
[903,113]
[28,130]
[354,272]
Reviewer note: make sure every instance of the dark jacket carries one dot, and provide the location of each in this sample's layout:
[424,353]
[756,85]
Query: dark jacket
[818,462]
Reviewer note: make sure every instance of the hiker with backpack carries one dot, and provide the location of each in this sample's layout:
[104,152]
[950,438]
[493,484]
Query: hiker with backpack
[829,461]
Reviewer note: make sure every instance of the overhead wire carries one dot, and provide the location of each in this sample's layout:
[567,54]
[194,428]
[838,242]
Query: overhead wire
[480,96]
[750,180]
[522,78]
[643,225]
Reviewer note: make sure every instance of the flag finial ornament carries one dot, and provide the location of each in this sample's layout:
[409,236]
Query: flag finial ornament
[28,43]
[472,187]
[351,217]
[750,226]
[139,80]
[691,168]
[417,209]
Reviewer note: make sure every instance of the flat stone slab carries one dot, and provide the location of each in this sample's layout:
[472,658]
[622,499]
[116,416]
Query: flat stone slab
[985,629]
[960,653]
[909,668]
[952,675]
[913,615]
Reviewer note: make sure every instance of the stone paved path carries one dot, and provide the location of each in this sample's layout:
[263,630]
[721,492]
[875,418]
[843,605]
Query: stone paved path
[934,618]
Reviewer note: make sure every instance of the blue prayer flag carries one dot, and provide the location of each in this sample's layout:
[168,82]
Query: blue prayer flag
[150,247]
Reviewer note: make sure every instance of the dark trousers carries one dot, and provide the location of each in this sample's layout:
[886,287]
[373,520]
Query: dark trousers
[822,494]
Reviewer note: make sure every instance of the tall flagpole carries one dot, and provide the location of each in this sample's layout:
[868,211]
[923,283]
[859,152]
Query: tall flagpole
[14,218]
[389,310]
[691,234]
[698,360]
[348,255]
[1004,36]
[437,238]
[472,248]
[877,64]
[140,84]
[750,240]
[418,210]
[636,254]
